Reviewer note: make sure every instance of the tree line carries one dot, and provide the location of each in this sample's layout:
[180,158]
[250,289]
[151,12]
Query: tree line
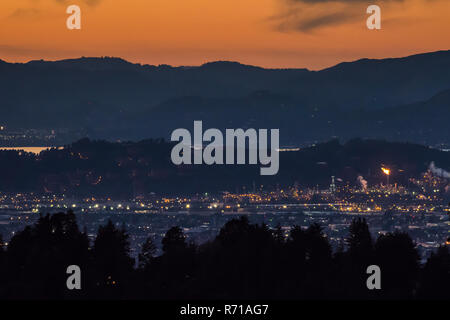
[244,261]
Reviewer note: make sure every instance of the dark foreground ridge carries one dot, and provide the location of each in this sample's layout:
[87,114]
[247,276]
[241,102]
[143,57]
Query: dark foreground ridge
[244,261]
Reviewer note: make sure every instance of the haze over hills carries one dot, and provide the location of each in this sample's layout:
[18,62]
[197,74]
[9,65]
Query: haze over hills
[406,99]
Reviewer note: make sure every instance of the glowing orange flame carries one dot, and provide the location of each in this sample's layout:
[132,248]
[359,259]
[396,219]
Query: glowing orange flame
[386,171]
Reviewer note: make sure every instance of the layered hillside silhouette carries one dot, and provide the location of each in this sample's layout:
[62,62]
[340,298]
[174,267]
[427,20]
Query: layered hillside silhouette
[128,169]
[405,99]
[244,261]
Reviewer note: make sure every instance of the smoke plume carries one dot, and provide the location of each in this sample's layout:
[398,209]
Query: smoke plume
[362,182]
[438,171]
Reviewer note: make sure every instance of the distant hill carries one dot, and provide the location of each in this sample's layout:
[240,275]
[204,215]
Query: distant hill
[112,98]
[99,168]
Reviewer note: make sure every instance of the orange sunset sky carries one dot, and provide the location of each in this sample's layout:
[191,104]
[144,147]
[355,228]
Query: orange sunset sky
[270,33]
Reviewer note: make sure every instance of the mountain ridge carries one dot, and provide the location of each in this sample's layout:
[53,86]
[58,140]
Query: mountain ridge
[111,97]
[231,62]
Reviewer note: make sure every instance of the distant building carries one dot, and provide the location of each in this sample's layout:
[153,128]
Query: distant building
[332,185]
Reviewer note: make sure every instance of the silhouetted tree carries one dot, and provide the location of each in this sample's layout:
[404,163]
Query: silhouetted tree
[174,269]
[359,241]
[352,265]
[147,253]
[238,262]
[398,260]
[39,255]
[244,261]
[435,279]
[278,235]
[308,262]
[174,241]
[111,260]
[2,268]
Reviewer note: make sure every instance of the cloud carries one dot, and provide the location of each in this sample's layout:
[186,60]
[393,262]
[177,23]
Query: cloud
[309,19]
[329,19]
[309,15]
